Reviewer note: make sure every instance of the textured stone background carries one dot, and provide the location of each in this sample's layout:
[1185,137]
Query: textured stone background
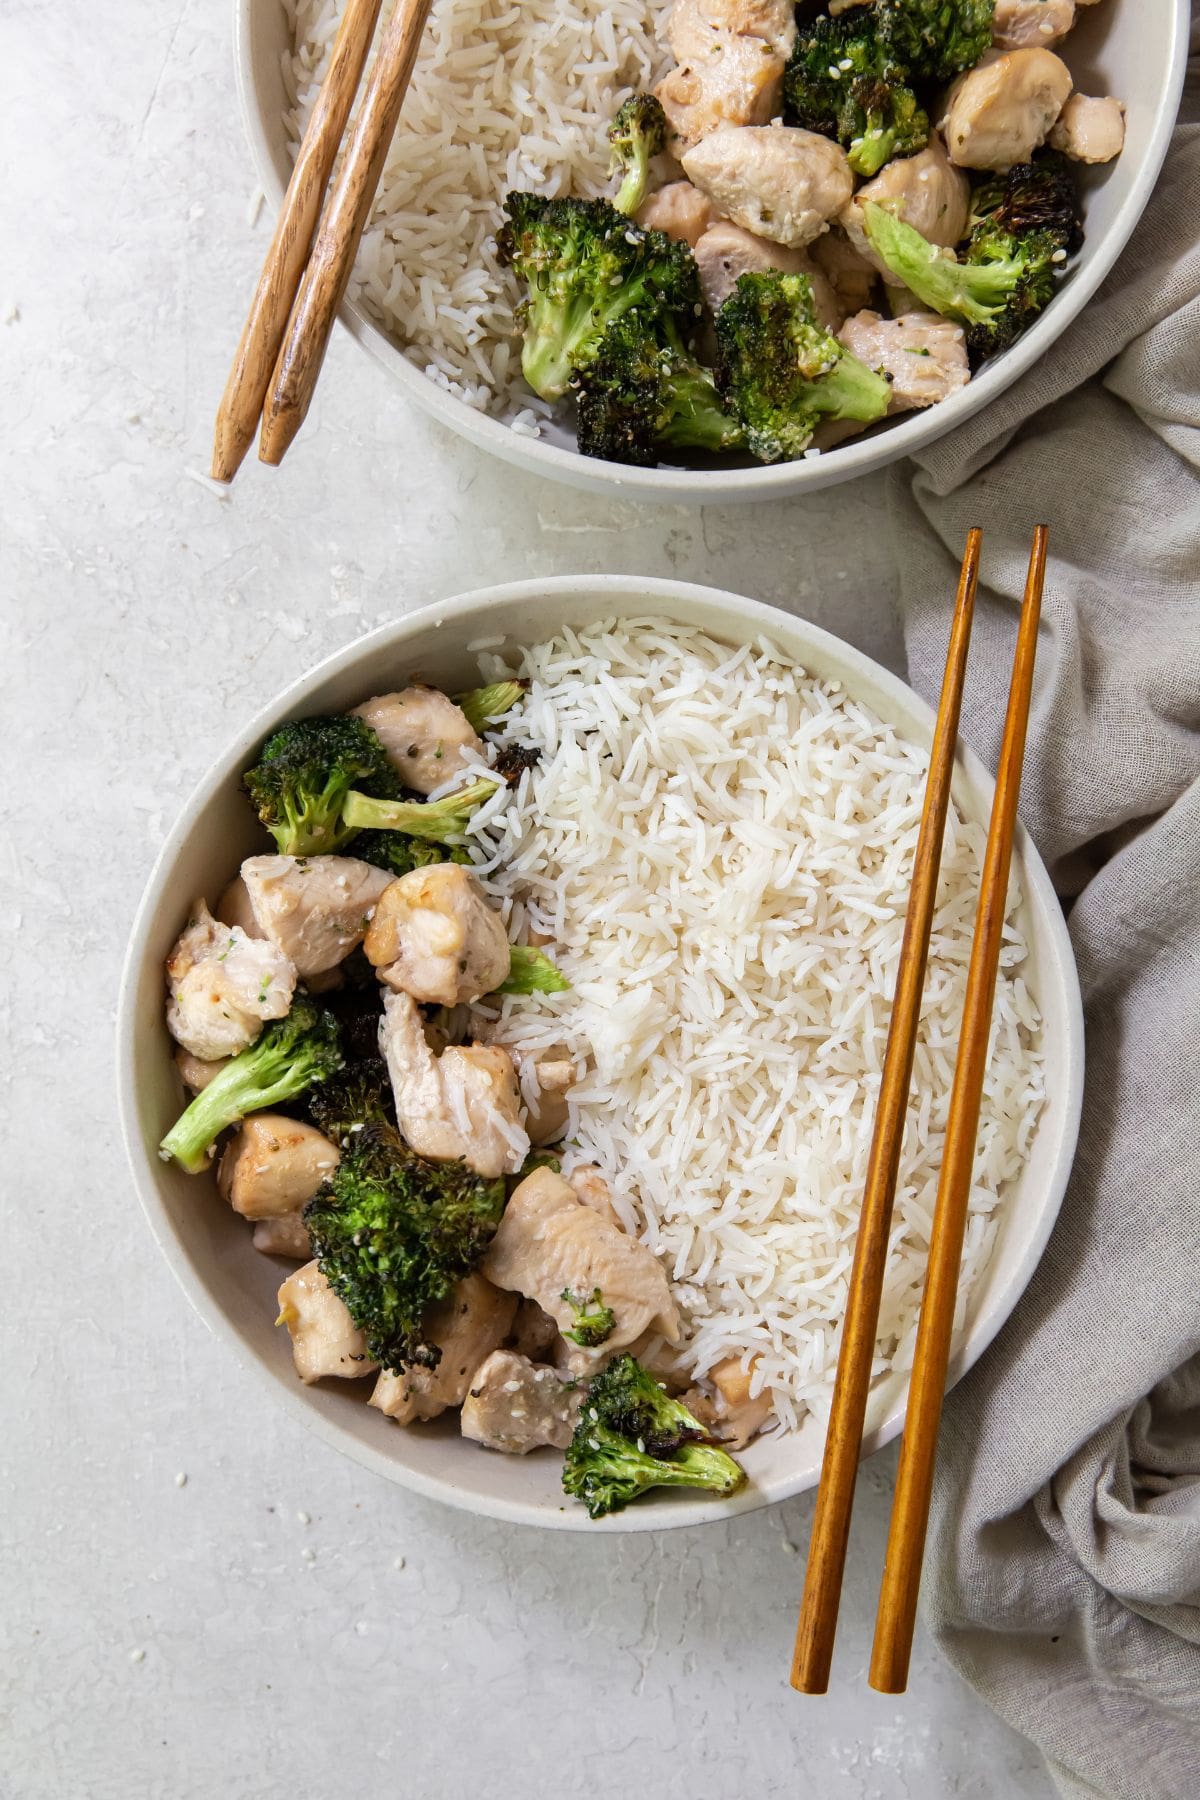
[251,1632]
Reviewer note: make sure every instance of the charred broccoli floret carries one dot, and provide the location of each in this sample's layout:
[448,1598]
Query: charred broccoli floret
[514,759]
[401,854]
[291,1055]
[782,373]
[637,133]
[302,778]
[1033,196]
[1012,262]
[531,971]
[594,1321]
[935,39]
[441,821]
[359,1094]
[646,393]
[393,1233]
[585,265]
[631,1437]
[484,705]
[843,80]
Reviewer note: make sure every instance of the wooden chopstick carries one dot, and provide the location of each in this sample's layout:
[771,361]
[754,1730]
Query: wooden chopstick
[341,228]
[896,1618]
[254,359]
[843,1442]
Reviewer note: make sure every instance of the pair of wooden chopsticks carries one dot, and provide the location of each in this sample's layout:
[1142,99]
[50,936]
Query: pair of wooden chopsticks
[304,277]
[896,1617]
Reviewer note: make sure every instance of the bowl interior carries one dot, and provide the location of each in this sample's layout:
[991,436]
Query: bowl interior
[209,1246]
[1134,51]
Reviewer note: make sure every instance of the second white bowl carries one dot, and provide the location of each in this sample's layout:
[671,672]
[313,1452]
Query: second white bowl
[208,1246]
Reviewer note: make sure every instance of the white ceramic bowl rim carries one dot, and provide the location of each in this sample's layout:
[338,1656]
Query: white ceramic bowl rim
[627,596]
[762,483]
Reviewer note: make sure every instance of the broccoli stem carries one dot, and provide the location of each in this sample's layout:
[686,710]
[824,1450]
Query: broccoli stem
[867,154]
[282,1064]
[436,821]
[483,704]
[971,293]
[531,971]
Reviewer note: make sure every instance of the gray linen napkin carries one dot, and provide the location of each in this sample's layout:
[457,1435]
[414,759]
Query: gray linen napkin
[1063,1577]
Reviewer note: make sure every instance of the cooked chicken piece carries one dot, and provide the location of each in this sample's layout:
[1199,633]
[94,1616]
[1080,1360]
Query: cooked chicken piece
[434,936]
[466,1327]
[464,1103]
[998,113]
[1024,24]
[548,1244]
[731,56]
[925,190]
[534,1333]
[222,987]
[1089,129]
[272,1165]
[849,274]
[740,1416]
[743,85]
[696,28]
[325,1339]
[923,355]
[425,735]
[313,908]
[703,1408]
[592,1188]
[547,1077]
[512,1406]
[234,908]
[776,181]
[679,209]
[285,1236]
[195,1073]
[726,252]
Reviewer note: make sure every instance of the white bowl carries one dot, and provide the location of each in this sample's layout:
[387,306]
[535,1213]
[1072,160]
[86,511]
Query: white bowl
[208,1245]
[1123,47]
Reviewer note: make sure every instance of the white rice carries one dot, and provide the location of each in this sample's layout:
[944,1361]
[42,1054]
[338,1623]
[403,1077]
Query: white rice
[719,847]
[505,94]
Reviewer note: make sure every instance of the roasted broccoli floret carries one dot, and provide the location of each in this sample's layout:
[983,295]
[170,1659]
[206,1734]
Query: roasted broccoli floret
[359,1094]
[291,1055]
[396,851]
[531,971]
[513,760]
[1035,196]
[782,373]
[585,265]
[393,1233]
[1005,280]
[935,39]
[483,705]
[594,1321]
[433,821]
[302,778]
[646,393]
[637,133]
[844,81]
[631,1437]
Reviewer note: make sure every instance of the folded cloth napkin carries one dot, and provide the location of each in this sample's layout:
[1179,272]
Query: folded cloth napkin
[1064,1554]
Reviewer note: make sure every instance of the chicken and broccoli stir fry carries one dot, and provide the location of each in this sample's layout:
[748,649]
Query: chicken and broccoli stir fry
[365,1134]
[815,225]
